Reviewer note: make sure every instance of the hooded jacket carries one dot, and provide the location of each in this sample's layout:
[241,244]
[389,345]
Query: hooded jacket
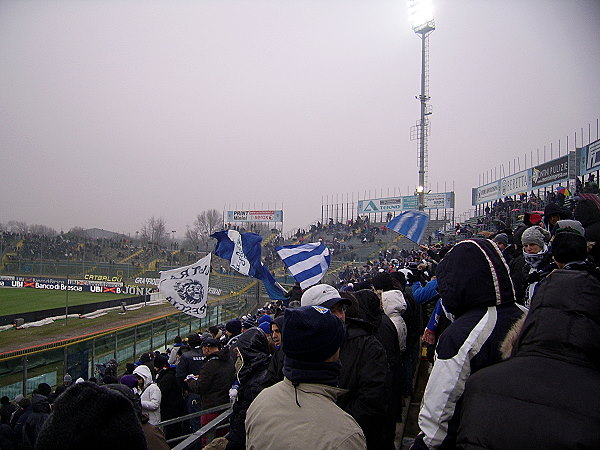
[394,306]
[151,395]
[40,411]
[276,421]
[478,295]
[254,350]
[546,395]
[171,403]
[275,371]
[588,213]
[552,209]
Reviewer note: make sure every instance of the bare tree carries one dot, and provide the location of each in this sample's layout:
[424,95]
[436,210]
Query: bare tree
[154,231]
[205,224]
[42,230]
[16,226]
[77,232]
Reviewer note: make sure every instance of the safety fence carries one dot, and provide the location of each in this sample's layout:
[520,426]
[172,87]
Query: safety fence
[21,371]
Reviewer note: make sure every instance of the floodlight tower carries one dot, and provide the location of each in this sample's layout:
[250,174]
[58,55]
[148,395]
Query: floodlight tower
[420,14]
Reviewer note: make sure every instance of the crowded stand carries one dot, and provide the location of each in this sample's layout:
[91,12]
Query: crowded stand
[502,319]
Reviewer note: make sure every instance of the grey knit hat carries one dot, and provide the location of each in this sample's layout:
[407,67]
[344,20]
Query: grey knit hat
[501,238]
[535,235]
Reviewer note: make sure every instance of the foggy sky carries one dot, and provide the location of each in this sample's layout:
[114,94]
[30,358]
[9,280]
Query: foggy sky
[115,111]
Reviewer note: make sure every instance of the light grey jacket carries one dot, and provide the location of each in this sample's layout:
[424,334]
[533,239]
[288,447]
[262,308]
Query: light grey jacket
[275,421]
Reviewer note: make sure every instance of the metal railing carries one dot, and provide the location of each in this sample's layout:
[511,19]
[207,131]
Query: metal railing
[191,440]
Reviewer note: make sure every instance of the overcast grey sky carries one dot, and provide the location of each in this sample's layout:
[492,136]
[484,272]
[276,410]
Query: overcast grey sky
[114,111]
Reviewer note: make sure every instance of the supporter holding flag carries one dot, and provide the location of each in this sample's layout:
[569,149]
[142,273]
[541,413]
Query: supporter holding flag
[243,252]
[307,263]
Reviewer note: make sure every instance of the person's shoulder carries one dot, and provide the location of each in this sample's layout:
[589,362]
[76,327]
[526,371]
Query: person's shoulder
[457,334]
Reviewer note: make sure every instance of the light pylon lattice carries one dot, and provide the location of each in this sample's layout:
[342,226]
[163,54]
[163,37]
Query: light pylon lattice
[421,17]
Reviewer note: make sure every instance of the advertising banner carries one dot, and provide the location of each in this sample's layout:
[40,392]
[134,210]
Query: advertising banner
[376,205]
[516,183]
[61,284]
[487,193]
[551,172]
[255,216]
[102,278]
[588,158]
[440,200]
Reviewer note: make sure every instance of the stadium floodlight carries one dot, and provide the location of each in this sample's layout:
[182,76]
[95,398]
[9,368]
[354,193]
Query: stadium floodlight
[420,15]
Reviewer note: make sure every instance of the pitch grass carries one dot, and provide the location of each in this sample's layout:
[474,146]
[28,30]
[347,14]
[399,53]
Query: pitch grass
[13,339]
[22,300]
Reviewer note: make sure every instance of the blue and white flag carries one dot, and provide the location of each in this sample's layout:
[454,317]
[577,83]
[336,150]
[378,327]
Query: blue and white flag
[186,288]
[308,263]
[411,224]
[243,252]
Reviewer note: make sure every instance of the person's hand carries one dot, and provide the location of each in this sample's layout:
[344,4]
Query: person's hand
[428,336]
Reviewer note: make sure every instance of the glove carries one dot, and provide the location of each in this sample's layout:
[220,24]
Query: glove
[233,392]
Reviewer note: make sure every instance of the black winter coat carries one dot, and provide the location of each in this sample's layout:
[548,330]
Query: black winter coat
[588,213]
[254,348]
[190,363]
[215,379]
[546,395]
[364,373]
[40,410]
[275,370]
[171,403]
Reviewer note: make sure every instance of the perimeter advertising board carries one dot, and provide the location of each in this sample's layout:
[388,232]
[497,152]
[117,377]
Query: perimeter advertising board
[516,183]
[551,172]
[255,216]
[440,200]
[588,158]
[486,193]
[60,284]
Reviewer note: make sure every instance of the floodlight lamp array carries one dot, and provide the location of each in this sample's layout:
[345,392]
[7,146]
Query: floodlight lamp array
[420,15]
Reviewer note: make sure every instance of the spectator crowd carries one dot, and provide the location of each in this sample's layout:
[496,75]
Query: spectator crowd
[510,324]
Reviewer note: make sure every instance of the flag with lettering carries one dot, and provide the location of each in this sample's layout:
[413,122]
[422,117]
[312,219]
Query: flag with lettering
[410,224]
[186,288]
[307,263]
[243,251]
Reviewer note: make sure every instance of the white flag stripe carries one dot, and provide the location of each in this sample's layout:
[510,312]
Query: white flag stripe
[307,264]
[310,281]
[285,252]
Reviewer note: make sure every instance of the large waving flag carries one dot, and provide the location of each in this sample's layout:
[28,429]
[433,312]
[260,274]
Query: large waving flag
[186,288]
[411,224]
[243,252]
[308,263]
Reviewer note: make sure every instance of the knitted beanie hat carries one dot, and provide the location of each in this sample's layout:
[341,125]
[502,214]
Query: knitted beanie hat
[91,417]
[311,333]
[535,235]
[234,326]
